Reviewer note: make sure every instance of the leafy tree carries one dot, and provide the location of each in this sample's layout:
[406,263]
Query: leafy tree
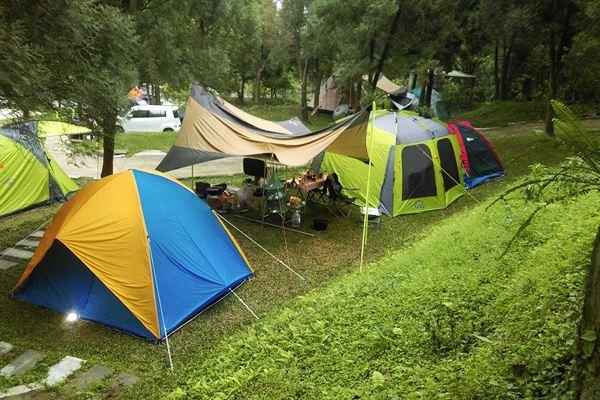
[78,53]
[101,79]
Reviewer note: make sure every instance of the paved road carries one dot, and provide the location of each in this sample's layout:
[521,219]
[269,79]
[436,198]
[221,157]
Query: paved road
[91,166]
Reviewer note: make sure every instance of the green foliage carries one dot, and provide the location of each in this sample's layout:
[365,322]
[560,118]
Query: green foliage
[574,177]
[444,318]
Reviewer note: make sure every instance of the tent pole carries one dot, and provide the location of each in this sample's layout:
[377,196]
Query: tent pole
[366,218]
[162,315]
[283,230]
[193,180]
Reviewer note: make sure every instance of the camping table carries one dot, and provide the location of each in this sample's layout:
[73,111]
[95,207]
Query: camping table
[308,187]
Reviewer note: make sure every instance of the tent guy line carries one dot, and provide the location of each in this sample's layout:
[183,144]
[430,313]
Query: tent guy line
[259,245]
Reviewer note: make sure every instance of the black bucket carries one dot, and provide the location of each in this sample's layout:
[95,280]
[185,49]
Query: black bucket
[320,224]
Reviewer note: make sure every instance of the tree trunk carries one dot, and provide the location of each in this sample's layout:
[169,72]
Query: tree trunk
[588,347]
[552,81]
[496,80]
[429,91]
[317,85]
[109,124]
[156,95]
[556,53]
[357,98]
[241,93]
[422,94]
[256,93]
[303,94]
[505,84]
[386,47]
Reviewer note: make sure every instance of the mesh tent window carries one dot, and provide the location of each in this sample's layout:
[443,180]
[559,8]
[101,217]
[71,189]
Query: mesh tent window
[418,176]
[448,164]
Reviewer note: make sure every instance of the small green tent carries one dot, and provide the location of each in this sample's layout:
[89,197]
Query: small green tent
[416,165]
[28,175]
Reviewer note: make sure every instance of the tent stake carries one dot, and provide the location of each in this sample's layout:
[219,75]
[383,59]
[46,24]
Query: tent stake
[244,303]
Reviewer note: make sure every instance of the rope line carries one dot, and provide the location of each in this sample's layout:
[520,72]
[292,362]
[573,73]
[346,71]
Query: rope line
[261,247]
[244,303]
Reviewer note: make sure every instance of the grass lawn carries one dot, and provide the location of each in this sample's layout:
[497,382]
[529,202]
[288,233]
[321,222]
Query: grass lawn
[322,259]
[134,142]
[503,113]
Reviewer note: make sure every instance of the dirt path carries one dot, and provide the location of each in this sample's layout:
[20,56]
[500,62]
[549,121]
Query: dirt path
[86,166]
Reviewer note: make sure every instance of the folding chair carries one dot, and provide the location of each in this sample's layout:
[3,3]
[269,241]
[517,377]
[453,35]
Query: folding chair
[339,203]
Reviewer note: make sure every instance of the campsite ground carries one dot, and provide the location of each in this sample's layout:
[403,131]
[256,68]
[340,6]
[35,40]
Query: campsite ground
[323,260]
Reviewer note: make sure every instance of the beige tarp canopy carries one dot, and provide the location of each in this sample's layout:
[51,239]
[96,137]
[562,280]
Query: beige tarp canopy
[213,128]
[386,85]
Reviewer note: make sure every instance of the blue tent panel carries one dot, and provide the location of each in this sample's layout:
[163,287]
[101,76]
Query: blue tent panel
[195,263]
[61,282]
[471,182]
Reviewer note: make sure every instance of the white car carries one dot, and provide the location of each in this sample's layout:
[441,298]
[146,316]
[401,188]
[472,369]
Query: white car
[149,118]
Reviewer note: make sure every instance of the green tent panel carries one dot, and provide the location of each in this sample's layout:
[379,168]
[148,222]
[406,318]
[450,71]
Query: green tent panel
[416,165]
[23,180]
[65,184]
[28,177]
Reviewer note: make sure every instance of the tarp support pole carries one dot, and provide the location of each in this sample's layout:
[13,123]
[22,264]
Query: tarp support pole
[366,218]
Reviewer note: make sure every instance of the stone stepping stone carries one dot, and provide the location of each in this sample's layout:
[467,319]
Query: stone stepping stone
[60,371]
[121,381]
[6,264]
[17,253]
[37,234]
[91,378]
[22,364]
[5,348]
[28,243]
[21,392]
[126,379]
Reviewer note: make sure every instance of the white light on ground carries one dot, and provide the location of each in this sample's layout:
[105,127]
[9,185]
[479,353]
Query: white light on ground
[72,317]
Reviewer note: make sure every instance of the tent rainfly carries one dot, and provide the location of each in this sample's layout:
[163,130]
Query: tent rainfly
[479,159]
[136,251]
[213,129]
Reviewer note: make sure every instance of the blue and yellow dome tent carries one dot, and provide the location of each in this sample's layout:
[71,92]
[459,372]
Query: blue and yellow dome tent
[136,251]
